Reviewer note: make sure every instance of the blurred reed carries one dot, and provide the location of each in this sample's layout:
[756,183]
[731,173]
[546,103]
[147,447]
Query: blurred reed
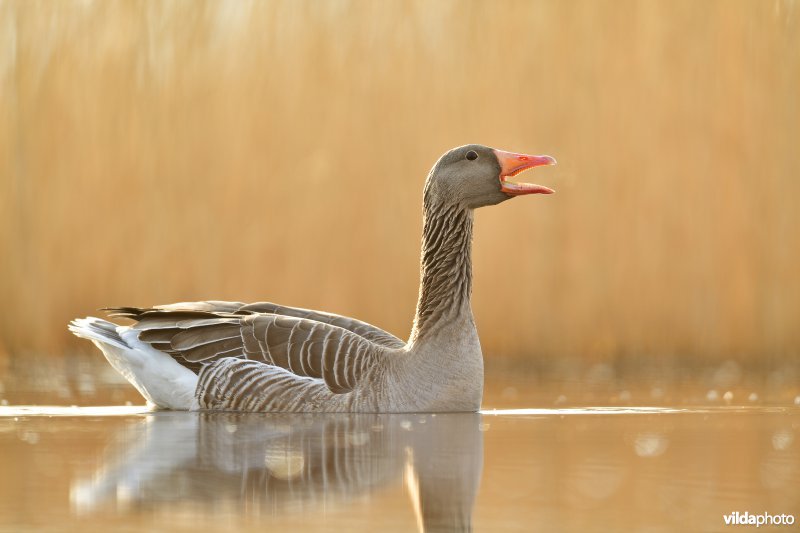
[153,152]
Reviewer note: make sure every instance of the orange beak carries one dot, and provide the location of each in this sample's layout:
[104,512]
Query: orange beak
[512,164]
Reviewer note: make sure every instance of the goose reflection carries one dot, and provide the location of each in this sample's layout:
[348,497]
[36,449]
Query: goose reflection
[272,463]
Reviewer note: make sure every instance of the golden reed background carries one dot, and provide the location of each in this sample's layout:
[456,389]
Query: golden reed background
[153,152]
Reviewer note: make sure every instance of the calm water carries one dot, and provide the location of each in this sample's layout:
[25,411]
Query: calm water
[520,468]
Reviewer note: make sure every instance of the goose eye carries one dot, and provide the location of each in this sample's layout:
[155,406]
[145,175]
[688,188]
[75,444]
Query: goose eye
[472,155]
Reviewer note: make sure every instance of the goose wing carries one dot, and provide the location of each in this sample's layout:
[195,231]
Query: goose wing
[302,346]
[362,329]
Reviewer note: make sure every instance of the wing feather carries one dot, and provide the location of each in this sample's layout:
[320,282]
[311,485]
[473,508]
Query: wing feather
[207,333]
[173,315]
[211,351]
[302,346]
[362,329]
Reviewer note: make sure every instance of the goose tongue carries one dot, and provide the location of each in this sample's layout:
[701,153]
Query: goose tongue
[512,164]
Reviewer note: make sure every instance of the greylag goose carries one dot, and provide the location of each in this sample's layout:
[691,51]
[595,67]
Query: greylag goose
[266,357]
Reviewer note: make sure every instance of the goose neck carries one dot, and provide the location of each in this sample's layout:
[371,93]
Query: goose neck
[445,269]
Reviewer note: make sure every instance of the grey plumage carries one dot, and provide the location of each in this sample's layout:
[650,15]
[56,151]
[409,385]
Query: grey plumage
[267,357]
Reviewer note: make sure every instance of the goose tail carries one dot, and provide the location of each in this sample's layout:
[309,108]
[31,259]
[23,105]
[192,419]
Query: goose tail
[97,330]
[156,375]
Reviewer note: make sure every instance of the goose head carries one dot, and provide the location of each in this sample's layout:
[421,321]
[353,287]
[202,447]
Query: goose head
[474,176]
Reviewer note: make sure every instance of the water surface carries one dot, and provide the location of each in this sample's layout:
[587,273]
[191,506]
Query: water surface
[537,465]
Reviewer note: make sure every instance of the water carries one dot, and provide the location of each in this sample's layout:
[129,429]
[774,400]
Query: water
[539,462]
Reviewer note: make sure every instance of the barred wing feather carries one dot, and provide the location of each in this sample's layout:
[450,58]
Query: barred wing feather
[302,346]
[362,329]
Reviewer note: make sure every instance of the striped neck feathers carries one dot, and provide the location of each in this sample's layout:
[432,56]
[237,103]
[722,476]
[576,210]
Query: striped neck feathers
[445,267]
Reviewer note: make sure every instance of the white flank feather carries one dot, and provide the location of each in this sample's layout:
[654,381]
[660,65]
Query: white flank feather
[156,375]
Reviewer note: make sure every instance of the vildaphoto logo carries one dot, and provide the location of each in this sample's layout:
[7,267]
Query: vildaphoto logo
[764,519]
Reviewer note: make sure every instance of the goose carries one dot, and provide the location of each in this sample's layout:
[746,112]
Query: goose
[264,357]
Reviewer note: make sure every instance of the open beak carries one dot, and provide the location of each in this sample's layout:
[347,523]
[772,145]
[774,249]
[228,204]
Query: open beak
[512,164]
